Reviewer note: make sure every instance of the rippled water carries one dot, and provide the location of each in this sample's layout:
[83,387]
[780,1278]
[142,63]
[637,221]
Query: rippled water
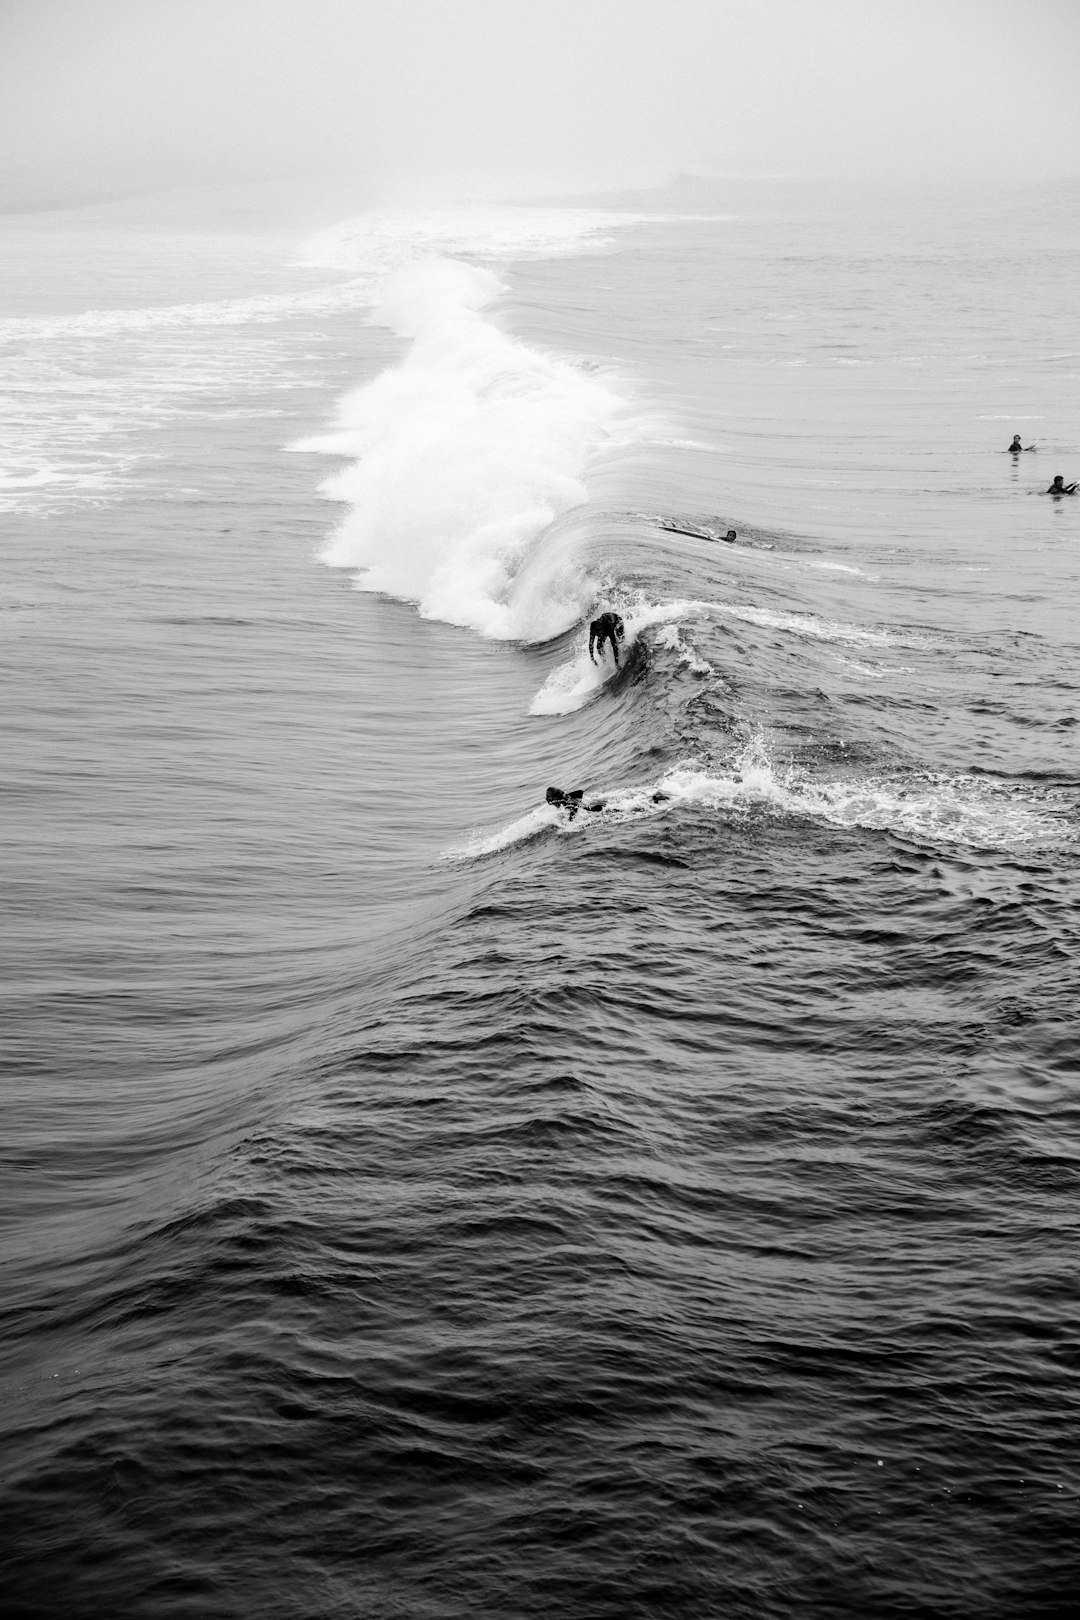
[416,1202]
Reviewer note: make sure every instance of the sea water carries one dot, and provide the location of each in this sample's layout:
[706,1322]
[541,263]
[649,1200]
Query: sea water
[419,1202]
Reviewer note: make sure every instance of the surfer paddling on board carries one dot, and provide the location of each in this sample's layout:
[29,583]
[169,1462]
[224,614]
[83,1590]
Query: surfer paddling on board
[574,801]
[699,534]
[1016,447]
[1060,487]
[608,627]
[571,802]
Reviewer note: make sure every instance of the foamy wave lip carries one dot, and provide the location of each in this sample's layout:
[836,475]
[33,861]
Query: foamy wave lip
[529,826]
[931,808]
[977,812]
[461,456]
[670,638]
[575,683]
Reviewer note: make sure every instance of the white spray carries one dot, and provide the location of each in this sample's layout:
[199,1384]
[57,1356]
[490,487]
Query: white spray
[461,456]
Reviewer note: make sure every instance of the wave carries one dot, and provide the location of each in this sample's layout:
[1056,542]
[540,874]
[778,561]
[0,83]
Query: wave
[258,309]
[577,682]
[368,248]
[382,242]
[461,455]
[929,807]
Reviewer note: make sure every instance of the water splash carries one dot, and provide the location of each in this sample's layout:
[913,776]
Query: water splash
[929,807]
[461,456]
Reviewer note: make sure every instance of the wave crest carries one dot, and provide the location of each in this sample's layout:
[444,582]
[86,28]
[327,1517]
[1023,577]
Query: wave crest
[460,456]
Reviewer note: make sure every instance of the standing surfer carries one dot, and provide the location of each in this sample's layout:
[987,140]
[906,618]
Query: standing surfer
[608,627]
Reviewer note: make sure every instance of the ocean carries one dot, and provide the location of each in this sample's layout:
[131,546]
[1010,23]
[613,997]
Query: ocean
[420,1202]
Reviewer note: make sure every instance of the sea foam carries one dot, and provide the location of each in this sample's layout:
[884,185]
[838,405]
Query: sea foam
[932,808]
[461,455]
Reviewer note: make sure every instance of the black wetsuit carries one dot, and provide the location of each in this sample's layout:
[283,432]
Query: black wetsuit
[570,802]
[608,627]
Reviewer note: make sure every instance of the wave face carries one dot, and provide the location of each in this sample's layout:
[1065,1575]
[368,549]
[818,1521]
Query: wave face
[417,1199]
[461,456]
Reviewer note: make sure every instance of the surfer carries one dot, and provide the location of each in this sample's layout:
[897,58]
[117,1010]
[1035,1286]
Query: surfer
[572,802]
[608,627]
[698,534]
[1060,487]
[1016,447]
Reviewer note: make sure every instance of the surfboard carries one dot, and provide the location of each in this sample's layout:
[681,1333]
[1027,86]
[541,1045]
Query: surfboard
[695,534]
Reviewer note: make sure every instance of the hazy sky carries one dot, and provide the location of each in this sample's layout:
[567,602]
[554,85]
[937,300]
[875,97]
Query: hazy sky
[98,96]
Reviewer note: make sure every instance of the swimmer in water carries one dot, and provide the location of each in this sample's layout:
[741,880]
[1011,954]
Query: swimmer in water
[608,627]
[1060,487]
[1016,447]
[730,537]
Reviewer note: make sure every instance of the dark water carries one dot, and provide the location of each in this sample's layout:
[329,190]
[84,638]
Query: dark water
[418,1204]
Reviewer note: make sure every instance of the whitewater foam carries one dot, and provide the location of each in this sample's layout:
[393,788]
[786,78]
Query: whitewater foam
[929,807]
[461,455]
[544,818]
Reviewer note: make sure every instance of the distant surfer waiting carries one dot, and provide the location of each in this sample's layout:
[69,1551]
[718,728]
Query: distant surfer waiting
[1016,447]
[1060,487]
[608,627]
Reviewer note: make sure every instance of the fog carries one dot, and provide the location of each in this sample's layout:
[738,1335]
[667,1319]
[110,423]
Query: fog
[481,97]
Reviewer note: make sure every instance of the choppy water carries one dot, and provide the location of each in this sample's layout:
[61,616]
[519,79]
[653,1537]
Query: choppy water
[414,1202]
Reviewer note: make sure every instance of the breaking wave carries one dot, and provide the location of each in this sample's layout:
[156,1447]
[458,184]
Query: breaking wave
[459,457]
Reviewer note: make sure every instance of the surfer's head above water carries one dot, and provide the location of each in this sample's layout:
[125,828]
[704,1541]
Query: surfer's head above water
[1060,487]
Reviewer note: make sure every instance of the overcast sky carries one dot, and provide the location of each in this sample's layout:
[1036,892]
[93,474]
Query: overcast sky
[483,96]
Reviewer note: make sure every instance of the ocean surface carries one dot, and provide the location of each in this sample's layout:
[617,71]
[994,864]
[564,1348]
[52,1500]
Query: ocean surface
[417,1203]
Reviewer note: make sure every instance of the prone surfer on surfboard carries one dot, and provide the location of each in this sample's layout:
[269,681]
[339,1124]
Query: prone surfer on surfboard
[571,802]
[608,627]
[574,801]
